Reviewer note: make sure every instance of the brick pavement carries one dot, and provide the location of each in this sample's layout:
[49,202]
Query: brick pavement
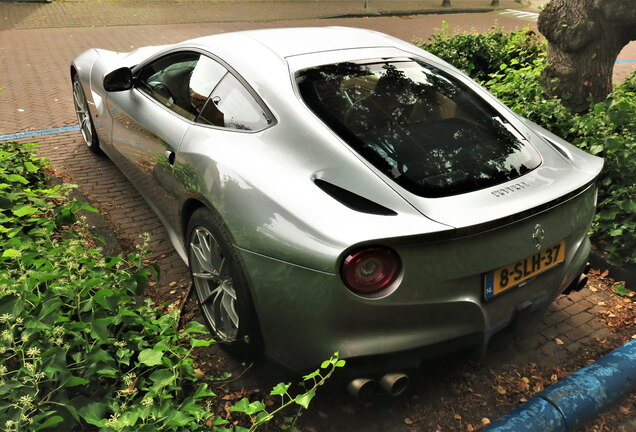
[83,13]
[108,190]
[34,63]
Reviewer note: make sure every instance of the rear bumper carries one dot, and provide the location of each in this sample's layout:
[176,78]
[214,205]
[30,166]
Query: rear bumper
[306,315]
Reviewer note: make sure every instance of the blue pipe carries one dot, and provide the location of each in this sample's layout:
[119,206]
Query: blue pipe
[570,403]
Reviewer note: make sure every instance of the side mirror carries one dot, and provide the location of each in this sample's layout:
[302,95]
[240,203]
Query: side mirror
[118,80]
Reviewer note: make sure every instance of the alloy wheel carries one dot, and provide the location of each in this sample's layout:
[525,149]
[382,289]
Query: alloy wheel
[83,115]
[211,273]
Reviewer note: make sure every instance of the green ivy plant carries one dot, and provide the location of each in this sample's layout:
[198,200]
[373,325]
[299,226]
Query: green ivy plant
[79,349]
[257,410]
[509,65]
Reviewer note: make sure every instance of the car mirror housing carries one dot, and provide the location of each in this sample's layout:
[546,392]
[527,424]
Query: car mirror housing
[118,80]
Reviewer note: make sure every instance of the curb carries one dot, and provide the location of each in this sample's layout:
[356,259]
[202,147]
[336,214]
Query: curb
[570,403]
[399,13]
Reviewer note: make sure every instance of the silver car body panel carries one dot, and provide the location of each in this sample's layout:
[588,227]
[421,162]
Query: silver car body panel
[292,236]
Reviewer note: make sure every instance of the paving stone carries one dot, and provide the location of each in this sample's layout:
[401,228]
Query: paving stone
[580,332]
[578,307]
[573,347]
[564,327]
[580,319]
[550,348]
[603,333]
[555,317]
[531,342]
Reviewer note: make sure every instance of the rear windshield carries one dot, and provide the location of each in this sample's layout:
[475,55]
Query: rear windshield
[423,128]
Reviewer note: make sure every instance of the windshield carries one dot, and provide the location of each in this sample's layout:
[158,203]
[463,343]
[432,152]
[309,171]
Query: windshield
[420,126]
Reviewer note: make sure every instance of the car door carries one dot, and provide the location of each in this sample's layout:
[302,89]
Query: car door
[150,120]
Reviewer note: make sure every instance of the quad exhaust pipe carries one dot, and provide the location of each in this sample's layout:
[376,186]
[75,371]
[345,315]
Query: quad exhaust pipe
[394,384]
[361,388]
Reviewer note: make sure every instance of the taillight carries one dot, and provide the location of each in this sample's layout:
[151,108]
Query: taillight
[367,271]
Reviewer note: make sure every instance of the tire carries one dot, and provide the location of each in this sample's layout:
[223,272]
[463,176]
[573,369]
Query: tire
[220,284]
[84,117]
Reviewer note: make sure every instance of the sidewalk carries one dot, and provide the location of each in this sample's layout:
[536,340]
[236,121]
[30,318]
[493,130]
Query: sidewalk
[100,13]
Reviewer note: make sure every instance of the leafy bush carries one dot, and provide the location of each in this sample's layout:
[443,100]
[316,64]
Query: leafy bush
[77,349]
[512,72]
[481,54]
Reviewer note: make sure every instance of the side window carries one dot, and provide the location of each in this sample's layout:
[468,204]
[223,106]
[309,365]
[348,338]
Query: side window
[181,81]
[232,106]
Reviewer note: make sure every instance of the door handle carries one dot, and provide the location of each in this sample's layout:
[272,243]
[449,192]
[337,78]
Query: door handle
[170,156]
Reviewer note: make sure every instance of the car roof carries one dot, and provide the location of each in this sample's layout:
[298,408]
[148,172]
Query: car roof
[287,42]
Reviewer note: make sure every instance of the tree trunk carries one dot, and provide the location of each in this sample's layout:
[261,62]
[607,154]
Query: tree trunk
[585,37]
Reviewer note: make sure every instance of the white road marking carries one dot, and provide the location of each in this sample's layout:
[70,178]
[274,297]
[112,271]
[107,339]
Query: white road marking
[527,16]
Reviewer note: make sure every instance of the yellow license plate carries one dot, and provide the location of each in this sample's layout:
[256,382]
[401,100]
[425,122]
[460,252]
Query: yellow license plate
[511,275]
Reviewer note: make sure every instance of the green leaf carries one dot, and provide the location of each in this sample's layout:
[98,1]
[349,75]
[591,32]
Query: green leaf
[89,208]
[620,289]
[75,381]
[150,357]
[304,399]
[248,408]
[99,328]
[106,298]
[161,379]
[201,342]
[108,372]
[340,363]
[219,421]
[10,253]
[178,418]
[92,412]
[54,361]
[263,417]
[196,327]
[16,178]
[25,211]
[30,167]
[280,389]
[202,391]
[50,422]
[241,406]
[255,407]
[314,374]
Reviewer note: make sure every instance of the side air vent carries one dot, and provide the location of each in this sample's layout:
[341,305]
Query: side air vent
[353,201]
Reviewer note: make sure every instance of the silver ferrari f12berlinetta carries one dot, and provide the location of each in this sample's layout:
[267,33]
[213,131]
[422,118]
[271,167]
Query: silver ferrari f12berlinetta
[337,189]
